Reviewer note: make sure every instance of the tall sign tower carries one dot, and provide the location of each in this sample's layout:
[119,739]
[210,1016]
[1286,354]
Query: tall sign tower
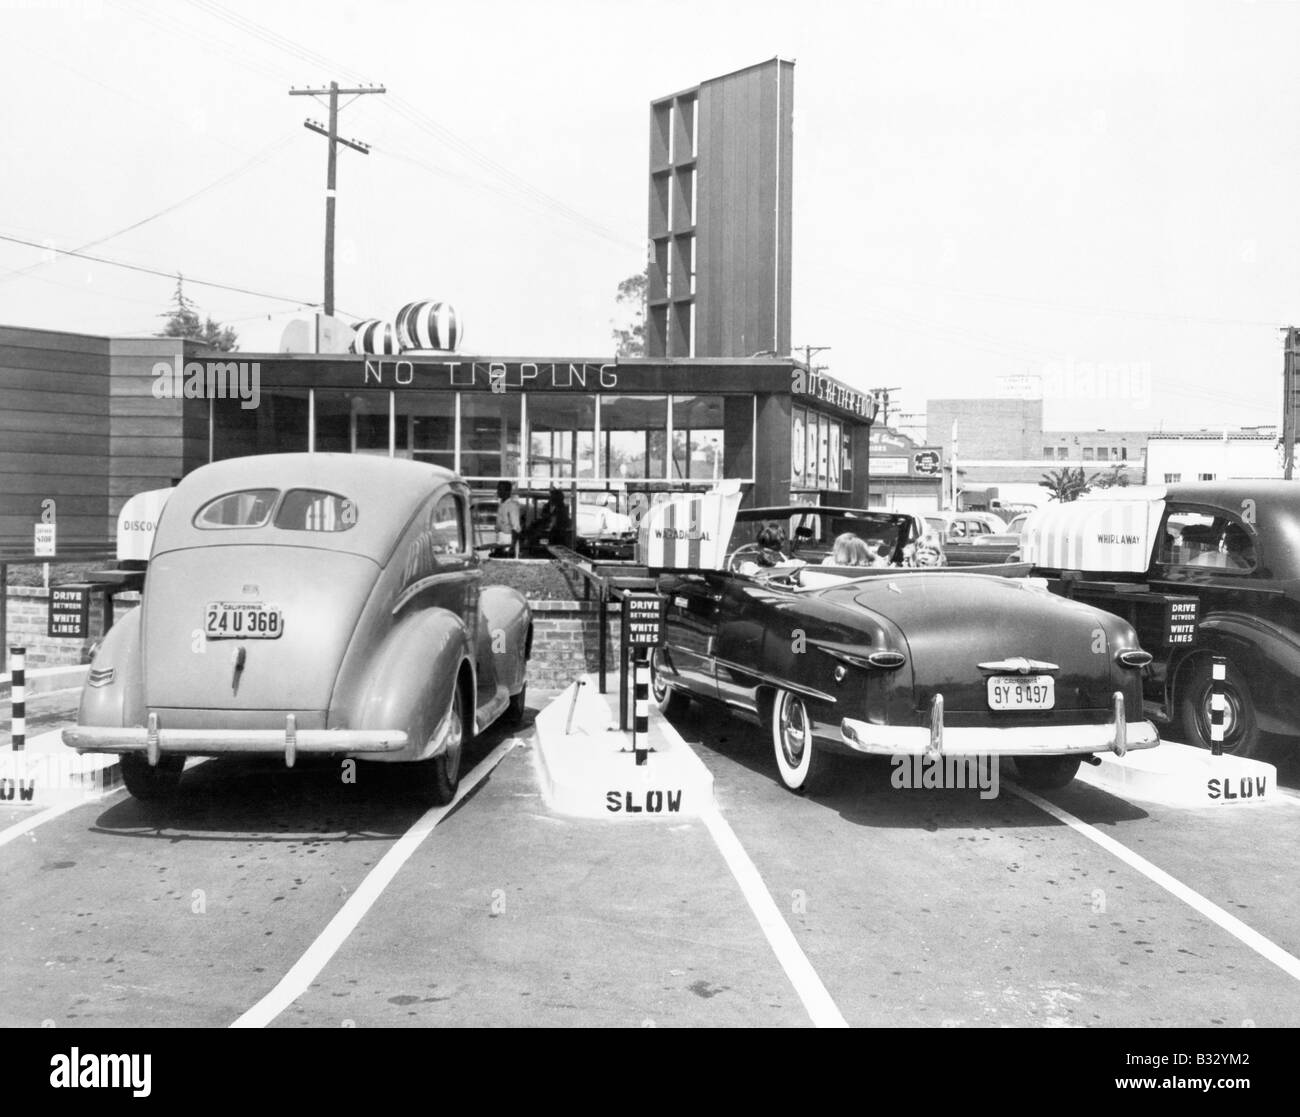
[1290,397]
[720,215]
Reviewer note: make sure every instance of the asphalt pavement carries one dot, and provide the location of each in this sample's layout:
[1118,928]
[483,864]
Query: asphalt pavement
[267,897]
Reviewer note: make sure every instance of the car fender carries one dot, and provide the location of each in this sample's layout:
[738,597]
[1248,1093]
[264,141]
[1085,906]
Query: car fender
[1266,654]
[505,636]
[118,703]
[407,681]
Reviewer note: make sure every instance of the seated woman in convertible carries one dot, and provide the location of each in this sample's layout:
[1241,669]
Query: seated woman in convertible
[850,550]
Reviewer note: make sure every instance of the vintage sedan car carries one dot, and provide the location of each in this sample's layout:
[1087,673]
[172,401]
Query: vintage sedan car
[605,533]
[981,548]
[300,604]
[886,661]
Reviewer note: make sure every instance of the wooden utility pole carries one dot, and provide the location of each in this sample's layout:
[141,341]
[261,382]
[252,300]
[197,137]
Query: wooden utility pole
[332,134]
[808,351]
[1290,375]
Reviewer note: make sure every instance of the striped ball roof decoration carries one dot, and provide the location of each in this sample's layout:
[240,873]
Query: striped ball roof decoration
[374,337]
[429,325]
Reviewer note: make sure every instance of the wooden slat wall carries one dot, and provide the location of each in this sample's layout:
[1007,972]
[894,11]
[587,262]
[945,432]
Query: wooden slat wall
[54,434]
[740,276]
[152,440]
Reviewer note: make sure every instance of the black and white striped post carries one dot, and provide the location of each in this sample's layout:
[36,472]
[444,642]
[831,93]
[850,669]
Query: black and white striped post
[18,697]
[1218,704]
[641,707]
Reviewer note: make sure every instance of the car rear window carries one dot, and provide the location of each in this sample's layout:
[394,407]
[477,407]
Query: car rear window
[298,510]
[250,508]
[315,510]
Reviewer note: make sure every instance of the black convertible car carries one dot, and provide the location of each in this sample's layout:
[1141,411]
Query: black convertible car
[885,660]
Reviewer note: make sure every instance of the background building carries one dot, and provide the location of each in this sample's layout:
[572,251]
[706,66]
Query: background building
[71,434]
[88,422]
[720,216]
[1003,441]
[1249,454]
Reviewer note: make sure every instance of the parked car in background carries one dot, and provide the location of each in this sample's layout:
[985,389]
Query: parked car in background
[306,604]
[882,661]
[964,525]
[985,547]
[604,533]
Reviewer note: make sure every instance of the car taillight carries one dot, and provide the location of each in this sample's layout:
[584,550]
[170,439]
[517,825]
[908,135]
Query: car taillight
[1134,657]
[100,676]
[887,661]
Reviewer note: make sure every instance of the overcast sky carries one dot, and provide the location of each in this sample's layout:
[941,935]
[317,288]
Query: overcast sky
[1103,195]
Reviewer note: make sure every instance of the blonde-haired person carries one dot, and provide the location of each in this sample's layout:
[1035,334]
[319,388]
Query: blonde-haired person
[849,550]
[927,551]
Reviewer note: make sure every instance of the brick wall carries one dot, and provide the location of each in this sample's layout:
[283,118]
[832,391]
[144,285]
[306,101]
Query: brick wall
[566,643]
[28,621]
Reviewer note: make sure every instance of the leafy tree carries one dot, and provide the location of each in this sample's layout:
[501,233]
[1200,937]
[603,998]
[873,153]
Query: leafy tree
[183,321]
[1066,484]
[1114,478]
[631,300]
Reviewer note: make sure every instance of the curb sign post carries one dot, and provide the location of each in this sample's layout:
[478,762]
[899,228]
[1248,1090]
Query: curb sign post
[643,626]
[18,698]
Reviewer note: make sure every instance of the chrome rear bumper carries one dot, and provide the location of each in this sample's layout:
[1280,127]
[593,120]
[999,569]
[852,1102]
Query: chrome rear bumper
[288,742]
[1117,735]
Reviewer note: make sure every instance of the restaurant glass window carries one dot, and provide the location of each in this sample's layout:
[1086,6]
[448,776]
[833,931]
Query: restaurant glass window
[833,456]
[698,438]
[846,458]
[369,420]
[278,424]
[561,436]
[490,435]
[333,408]
[634,436]
[798,447]
[810,450]
[426,427]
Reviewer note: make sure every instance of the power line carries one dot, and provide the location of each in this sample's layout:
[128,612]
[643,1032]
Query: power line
[416,117]
[159,272]
[229,176]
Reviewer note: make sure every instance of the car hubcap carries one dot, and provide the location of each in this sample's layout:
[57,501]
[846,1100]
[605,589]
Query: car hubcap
[794,731]
[657,683]
[455,737]
[1231,716]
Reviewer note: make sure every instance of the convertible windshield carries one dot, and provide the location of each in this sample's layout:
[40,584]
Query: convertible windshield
[810,535]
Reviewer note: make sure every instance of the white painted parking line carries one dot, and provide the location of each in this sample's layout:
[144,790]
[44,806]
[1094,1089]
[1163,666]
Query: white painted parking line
[816,1000]
[327,944]
[21,828]
[50,813]
[1266,948]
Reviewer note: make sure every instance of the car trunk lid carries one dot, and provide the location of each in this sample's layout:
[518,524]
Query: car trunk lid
[247,627]
[953,623]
